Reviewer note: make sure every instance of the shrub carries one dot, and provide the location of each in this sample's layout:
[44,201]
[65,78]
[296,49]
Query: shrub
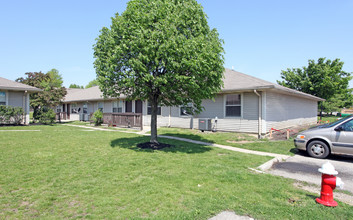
[97,117]
[45,115]
[11,115]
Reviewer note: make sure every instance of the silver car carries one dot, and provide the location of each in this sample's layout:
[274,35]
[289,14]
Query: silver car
[322,140]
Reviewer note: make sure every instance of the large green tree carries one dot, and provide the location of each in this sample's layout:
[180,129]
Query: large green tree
[325,79]
[51,84]
[162,51]
[56,80]
[75,86]
[92,83]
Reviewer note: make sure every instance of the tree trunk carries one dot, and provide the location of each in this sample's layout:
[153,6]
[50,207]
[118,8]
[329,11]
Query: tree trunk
[154,110]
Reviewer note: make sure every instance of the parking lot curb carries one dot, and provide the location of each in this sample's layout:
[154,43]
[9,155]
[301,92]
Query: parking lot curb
[270,163]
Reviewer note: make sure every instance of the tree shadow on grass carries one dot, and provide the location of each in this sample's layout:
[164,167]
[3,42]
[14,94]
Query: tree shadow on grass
[189,136]
[295,151]
[177,146]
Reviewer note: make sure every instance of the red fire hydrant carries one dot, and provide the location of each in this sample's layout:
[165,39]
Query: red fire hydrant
[328,184]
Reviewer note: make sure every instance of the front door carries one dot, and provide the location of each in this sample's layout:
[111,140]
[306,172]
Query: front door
[63,114]
[128,106]
[343,140]
[68,111]
[138,106]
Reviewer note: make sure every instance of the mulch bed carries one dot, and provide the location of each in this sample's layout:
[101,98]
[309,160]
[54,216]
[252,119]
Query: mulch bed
[153,146]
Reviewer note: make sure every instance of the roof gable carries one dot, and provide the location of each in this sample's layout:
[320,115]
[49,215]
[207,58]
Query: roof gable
[7,84]
[236,81]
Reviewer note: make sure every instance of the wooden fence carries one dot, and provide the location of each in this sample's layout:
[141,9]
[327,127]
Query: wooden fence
[61,116]
[347,111]
[123,119]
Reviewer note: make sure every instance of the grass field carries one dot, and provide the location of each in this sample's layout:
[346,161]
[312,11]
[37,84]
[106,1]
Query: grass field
[233,139]
[67,172]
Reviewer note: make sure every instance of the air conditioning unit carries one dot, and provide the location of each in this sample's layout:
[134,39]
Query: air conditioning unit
[205,124]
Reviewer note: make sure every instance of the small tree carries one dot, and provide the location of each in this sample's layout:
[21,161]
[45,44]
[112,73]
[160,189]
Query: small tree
[51,84]
[162,51]
[97,117]
[45,115]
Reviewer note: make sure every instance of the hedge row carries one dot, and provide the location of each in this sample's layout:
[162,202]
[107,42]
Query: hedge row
[11,115]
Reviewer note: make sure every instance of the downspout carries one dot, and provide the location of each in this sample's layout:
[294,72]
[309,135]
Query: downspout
[260,113]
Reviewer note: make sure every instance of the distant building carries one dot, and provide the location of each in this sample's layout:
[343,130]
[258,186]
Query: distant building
[16,94]
[245,104]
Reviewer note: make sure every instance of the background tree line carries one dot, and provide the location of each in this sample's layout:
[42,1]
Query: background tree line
[325,79]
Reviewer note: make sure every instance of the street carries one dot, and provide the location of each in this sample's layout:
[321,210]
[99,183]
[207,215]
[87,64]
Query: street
[304,168]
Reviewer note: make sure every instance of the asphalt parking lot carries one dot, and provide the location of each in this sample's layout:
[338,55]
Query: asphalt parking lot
[304,168]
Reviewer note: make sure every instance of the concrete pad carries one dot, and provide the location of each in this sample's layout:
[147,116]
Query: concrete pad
[227,215]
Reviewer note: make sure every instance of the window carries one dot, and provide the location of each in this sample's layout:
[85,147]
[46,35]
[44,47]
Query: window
[74,108]
[233,105]
[348,126]
[84,108]
[128,106]
[58,108]
[2,98]
[118,106]
[100,106]
[186,110]
[149,109]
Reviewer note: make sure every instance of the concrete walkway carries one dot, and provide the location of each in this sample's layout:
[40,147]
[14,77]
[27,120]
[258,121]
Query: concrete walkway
[263,167]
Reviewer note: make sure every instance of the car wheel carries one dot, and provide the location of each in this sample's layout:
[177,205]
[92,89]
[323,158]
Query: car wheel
[318,149]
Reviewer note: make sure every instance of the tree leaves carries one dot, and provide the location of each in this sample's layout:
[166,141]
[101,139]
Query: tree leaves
[51,83]
[163,48]
[324,79]
[162,51]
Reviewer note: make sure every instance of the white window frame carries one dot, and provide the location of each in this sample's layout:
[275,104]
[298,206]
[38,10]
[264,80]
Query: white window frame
[58,109]
[6,96]
[241,105]
[102,108]
[189,105]
[74,109]
[119,105]
[85,108]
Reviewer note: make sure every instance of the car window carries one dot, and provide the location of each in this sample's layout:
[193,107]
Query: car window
[348,126]
[332,124]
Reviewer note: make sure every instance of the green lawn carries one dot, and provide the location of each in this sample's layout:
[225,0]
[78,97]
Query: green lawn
[231,138]
[328,119]
[69,172]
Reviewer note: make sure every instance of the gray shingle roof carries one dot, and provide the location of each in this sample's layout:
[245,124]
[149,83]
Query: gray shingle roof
[90,94]
[7,84]
[236,81]
[233,82]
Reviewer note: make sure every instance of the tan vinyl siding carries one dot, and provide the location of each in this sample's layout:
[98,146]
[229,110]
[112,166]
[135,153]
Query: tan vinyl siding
[15,99]
[237,125]
[175,111]
[250,106]
[91,108]
[165,111]
[283,111]
[213,108]
[108,107]
[291,123]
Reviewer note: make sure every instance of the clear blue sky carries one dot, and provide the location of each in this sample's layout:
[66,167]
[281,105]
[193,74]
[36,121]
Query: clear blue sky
[261,37]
